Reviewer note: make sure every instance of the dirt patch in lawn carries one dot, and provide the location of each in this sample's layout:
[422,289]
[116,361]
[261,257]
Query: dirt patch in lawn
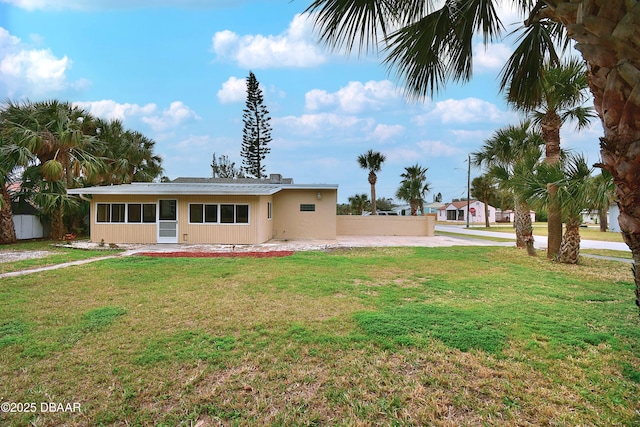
[11,256]
[184,254]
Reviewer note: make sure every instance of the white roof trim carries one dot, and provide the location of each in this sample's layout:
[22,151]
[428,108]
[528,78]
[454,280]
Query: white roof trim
[174,188]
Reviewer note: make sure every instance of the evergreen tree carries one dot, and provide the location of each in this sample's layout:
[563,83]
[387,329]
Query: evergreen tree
[257,130]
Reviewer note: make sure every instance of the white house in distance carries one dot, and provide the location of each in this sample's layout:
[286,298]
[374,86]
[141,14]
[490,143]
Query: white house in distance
[457,212]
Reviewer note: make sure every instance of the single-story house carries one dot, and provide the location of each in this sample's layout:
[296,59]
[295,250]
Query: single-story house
[457,211]
[510,215]
[590,216]
[215,211]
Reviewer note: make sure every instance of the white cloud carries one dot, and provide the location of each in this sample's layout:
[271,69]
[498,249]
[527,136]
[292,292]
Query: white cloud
[386,132]
[296,47]
[111,110]
[490,58]
[403,155]
[356,97]
[176,114]
[233,90]
[469,110]
[32,72]
[195,142]
[437,149]
[121,4]
[321,124]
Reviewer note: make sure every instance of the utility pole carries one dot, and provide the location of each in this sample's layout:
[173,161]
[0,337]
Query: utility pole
[468,185]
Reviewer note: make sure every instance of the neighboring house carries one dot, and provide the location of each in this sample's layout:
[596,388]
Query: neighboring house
[510,216]
[429,208]
[589,216]
[215,211]
[432,208]
[614,212]
[457,212]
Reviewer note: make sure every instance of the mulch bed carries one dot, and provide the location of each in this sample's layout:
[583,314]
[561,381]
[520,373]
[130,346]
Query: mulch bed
[184,254]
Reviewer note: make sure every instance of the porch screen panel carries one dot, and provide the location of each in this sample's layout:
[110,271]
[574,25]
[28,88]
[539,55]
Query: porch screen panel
[211,213]
[149,212]
[103,214]
[195,213]
[134,212]
[242,214]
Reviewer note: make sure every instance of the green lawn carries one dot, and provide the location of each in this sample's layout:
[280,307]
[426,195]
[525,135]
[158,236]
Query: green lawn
[540,229]
[55,255]
[389,336]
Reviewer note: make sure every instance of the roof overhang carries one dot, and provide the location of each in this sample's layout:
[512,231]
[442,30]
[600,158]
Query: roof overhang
[208,189]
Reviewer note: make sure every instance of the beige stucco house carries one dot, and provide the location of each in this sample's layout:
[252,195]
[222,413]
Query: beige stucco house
[215,211]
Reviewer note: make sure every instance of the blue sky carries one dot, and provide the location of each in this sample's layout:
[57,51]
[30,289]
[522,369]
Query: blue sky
[175,70]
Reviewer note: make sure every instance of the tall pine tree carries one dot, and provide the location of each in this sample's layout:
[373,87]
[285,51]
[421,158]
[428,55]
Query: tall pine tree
[257,131]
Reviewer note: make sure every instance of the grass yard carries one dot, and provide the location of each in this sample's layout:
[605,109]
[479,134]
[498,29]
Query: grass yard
[540,229]
[54,255]
[391,336]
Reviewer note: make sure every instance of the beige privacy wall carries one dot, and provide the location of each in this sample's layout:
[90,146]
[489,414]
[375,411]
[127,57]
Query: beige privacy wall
[380,225]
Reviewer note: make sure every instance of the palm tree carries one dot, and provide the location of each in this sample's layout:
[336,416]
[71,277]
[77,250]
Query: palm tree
[413,187]
[563,91]
[602,195]
[372,161]
[484,188]
[510,153]
[573,190]
[56,133]
[359,203]
[128,154]
[430,45]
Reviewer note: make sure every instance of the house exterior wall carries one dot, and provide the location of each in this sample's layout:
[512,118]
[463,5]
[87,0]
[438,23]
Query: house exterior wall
[240,234]
[258,230]
[121,233]
[289,222]
[477,217]
[375,225]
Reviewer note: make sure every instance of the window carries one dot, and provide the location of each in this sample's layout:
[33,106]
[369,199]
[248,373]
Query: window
[195,213]
[103,210]
[200,213]
[307,208]
[227,214]
[135,212]
[210,213]
[269,210]
[149,212]
[242,214]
